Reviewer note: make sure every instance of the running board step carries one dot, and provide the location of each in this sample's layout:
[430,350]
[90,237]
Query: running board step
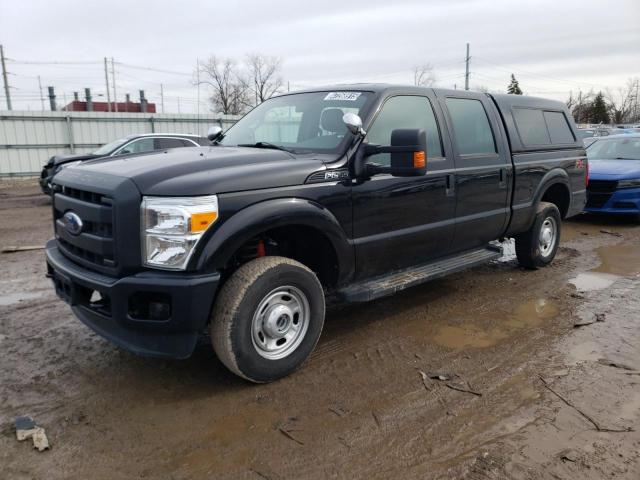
[399,280]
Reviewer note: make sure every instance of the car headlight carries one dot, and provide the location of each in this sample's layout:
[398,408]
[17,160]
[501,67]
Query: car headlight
[172,227]
[633,183]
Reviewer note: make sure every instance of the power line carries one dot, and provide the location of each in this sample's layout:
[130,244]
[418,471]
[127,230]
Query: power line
[151,69]
[29,62]
[525,72]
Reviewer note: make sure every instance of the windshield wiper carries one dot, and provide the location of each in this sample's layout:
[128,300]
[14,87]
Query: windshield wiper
[626,158]
[271,146]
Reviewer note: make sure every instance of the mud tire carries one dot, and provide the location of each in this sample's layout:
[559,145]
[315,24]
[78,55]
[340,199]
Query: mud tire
[528,248]
[233,312]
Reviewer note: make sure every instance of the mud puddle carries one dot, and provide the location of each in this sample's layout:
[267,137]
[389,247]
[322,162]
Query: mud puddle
[615,261]
[621,260]
[471,334]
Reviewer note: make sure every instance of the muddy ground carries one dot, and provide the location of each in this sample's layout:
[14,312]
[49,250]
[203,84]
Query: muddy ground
[550,400]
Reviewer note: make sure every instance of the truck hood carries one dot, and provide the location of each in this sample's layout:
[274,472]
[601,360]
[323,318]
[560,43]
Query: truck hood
[206,170]
[614,169]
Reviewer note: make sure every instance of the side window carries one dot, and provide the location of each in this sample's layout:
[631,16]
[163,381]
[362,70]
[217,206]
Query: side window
[163,143]
[404,112]
[531,126]
[471,126]
[558,127]
[139,146]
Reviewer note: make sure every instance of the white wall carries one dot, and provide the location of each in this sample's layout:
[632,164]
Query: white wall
[29,139]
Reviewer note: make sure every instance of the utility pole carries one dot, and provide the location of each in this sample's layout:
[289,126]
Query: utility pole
[113,78]
[178,104]
[106,81]
[52,99]
[4,77]
[41,96]
[466,71]
[162,98]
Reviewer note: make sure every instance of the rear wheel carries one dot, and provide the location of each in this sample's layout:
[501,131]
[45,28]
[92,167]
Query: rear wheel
[537,247]
[267,318]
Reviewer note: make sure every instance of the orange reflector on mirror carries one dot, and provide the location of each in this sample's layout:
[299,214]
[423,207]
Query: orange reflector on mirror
[419,159]
[200,221]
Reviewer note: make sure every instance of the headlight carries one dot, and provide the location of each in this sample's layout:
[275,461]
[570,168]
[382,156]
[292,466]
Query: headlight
[171,228]
[633,183]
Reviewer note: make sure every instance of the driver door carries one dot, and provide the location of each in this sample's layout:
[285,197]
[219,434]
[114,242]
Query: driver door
[403,221]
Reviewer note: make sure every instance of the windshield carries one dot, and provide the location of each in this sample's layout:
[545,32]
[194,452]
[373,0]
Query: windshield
[615,149]
[111,146]
[301,123]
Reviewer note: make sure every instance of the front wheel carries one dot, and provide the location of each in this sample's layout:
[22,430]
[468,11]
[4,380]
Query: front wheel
[537,247]
[267,318]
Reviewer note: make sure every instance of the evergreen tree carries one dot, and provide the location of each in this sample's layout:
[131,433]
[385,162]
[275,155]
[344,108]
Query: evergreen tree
[514,87]
[599,111]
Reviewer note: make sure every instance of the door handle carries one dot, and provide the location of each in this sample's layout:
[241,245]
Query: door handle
[450,185]
[503,178]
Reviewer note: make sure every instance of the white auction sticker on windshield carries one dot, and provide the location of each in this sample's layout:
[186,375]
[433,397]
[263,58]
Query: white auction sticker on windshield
[343,96]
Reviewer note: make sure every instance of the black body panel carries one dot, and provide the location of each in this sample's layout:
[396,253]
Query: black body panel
[381,227]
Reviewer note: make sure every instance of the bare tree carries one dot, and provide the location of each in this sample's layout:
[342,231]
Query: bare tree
[264,74]
[622,102]
[424,76]
[230,91]
[580,106]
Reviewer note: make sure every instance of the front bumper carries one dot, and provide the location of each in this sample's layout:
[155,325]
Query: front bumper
[621,201]
[150,313]
[45,179]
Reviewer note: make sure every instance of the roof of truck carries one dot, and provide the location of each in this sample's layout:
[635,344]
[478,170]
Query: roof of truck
[511,100]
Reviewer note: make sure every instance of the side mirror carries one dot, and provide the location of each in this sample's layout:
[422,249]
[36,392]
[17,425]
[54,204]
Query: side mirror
[214,132]
[408,151]
[411,160]
[354,124]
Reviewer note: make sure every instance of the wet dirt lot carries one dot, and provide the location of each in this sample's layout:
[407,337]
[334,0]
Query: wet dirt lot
[522,393]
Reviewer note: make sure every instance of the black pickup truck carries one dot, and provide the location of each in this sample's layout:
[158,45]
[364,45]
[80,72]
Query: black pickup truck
[350,192]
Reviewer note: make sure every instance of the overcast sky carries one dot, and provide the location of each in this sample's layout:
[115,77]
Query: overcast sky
[553,47]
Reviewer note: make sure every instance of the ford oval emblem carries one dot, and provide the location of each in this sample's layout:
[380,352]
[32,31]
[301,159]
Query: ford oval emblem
[72,222]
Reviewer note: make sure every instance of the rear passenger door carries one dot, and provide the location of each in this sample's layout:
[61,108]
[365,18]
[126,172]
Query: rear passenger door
[482,169]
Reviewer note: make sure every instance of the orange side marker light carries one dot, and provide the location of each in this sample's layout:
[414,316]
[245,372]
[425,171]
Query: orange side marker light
[201,221]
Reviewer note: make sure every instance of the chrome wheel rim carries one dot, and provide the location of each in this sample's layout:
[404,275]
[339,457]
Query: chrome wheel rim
[548,236]
[280,322]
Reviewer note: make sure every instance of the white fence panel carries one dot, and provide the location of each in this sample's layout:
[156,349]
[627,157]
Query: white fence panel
[29,139]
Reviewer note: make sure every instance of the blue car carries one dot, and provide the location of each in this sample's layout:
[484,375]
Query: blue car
[614,175]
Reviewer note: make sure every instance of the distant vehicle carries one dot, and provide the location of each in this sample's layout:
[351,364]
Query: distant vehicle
[589,135]
[354,192]
[614,171]
[147,142]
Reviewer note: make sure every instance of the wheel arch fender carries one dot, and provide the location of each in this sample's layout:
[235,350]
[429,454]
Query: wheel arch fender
[556,176]
[263,216]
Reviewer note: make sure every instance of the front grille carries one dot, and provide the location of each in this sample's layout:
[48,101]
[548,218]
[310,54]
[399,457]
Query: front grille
[597,200]
[85,196]
[599,192]
[602,186]
[94,245]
